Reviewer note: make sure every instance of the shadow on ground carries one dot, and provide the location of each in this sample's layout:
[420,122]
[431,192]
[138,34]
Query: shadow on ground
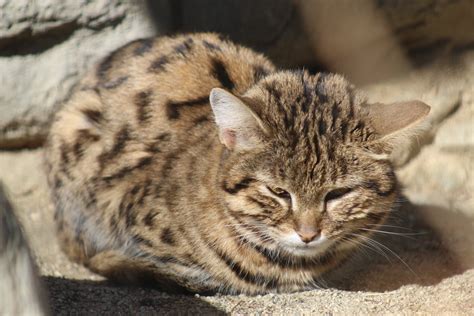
[97,298]
[407,251]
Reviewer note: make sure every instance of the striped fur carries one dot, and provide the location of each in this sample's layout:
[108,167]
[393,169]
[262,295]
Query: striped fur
[145,191]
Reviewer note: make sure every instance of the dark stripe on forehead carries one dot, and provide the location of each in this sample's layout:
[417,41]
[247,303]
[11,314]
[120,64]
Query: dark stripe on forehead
[219,71]
[335,111]
[308,97]
[242,184]
[172,107]
[320,88]
[350,95]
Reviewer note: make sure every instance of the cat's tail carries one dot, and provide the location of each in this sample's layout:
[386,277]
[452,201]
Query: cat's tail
[20,290]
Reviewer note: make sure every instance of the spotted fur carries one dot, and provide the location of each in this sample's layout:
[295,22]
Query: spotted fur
[149,185]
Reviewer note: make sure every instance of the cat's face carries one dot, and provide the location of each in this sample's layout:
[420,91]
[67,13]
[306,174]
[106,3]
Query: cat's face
[308,169]
[303,209]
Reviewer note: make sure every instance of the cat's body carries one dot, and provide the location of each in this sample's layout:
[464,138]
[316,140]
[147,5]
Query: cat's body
[149,188]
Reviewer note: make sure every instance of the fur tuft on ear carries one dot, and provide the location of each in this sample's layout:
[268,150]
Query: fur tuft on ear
[397,125]
[239,127]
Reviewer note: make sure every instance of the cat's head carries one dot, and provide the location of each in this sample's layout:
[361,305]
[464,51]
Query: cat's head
[308,161]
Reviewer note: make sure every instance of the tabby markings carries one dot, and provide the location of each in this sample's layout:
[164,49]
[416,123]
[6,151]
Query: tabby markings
[143,102]
[159,64]
[173,107]
[115,83]
[145,45]
[219,71]
[184,48]
[120,141]
[259,72]
[211,46]
[148,219]
[93,116]
[245,275]
[128,169]
[84,137]
[320,88]
[243,184]
[167,236]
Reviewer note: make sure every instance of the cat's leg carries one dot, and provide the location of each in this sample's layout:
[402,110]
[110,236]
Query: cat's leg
[118,267]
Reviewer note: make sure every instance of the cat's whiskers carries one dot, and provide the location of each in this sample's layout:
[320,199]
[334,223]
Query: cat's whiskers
[390,226]
[369,247]
[368,239]
[407,235]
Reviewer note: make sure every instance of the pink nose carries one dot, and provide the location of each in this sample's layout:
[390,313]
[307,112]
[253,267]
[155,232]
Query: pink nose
[308,234]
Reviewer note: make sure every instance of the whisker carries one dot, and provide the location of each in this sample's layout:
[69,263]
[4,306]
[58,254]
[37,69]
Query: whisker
[407,235]
[391,251]
[390,226]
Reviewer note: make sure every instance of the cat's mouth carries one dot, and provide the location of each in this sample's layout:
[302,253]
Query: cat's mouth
[294,245]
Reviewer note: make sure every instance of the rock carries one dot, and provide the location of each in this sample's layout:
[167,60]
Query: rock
[45,47]
[427,85]
[440,178]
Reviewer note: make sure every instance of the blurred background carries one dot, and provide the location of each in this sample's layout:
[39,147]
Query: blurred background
[392,49]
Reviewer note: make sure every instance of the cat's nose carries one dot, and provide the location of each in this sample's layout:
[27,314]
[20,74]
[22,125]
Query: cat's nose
[308,234]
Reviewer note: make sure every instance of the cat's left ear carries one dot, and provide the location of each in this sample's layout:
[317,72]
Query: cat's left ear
[396,124]
[239,127]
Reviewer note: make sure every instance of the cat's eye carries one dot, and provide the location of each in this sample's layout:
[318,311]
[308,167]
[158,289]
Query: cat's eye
[283,194]
[337,193]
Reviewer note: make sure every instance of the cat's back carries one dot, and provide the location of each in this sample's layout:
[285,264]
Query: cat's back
[165,82]
[149,90]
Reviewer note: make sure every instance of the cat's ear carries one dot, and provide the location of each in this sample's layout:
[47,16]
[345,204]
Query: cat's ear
[396,124]
[239,127]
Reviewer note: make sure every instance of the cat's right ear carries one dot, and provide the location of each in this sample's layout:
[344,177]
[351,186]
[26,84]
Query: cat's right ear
[239,127]
[396,125]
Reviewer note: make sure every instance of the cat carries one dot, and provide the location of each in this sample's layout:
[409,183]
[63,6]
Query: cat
[190,162]
[21,291]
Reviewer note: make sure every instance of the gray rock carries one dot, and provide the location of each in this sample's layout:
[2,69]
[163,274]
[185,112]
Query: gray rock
[46,46]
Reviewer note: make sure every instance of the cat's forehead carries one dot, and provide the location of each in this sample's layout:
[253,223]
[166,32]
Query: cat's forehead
[296,106]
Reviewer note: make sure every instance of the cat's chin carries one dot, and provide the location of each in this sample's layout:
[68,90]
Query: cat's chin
[293,245]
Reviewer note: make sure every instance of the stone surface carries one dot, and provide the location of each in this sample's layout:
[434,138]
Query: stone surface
[45,47]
